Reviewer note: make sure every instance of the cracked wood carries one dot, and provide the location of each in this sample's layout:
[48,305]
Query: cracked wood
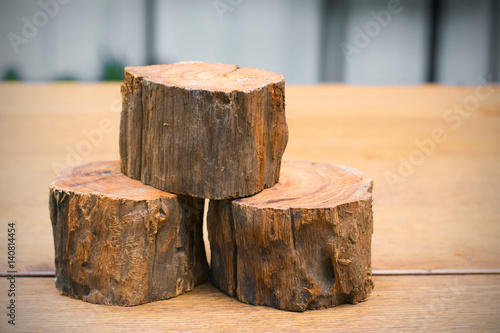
[303,244]
[119,242]
[212,131]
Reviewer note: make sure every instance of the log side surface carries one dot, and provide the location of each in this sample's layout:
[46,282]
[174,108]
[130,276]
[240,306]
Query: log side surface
[303,244]
[120,242]
[212,131]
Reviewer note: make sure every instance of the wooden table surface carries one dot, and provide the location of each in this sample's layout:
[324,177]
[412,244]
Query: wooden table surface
[436,244]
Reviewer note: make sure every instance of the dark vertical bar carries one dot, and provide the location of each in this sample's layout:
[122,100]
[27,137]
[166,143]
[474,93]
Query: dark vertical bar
[434,17]
[494,56]
[326,8]
[333,32]
[150,32]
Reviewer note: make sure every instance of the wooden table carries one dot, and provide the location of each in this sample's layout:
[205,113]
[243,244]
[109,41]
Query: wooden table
[436,245]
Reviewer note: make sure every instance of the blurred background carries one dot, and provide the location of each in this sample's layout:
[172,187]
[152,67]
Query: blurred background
[384,42]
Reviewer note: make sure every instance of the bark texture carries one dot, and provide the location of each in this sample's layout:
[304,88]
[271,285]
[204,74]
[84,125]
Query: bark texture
[303,244]
[205,130]
[119,242]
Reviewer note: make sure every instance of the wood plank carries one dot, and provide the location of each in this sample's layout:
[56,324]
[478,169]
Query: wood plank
[41,125]
[444,215]
[424,303]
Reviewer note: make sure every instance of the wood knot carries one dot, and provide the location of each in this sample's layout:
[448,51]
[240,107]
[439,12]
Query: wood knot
[344,262]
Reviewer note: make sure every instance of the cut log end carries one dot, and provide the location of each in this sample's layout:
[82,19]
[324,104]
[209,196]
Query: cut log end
[206,76]
[303,244]
[311,185]
[119,242]
[105,179]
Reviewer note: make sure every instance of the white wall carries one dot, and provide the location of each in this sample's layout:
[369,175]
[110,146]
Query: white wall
[300,38]
[464,40]
[75,41]
[395,51]
[278,35]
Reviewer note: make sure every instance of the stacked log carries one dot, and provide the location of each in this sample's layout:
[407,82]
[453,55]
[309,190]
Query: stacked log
[212,131]
[293,236]
[120,242]
[303,244]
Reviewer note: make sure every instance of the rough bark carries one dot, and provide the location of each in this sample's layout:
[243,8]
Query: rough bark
[119,242]
[205,130]
[303,244]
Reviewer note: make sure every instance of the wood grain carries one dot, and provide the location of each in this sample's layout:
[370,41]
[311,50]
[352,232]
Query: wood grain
[206,130]
[410,304]
[443,216]
[120,242]
[303,244]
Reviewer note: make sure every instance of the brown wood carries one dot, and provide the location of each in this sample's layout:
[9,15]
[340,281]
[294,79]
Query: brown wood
[303,244]
[398,303]
[432,220]
[206,130]
[119,242]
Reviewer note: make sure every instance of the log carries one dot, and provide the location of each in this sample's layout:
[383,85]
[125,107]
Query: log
[205,130]
[119,242]
[303,244]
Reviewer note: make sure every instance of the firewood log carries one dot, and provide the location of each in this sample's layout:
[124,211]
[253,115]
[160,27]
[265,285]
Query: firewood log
[120,242]
[205,130]
[303,244]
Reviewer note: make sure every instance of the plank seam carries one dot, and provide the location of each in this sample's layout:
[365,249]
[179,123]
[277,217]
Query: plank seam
[390,272]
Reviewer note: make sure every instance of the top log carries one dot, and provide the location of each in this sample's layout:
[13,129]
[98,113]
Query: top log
[206,130]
